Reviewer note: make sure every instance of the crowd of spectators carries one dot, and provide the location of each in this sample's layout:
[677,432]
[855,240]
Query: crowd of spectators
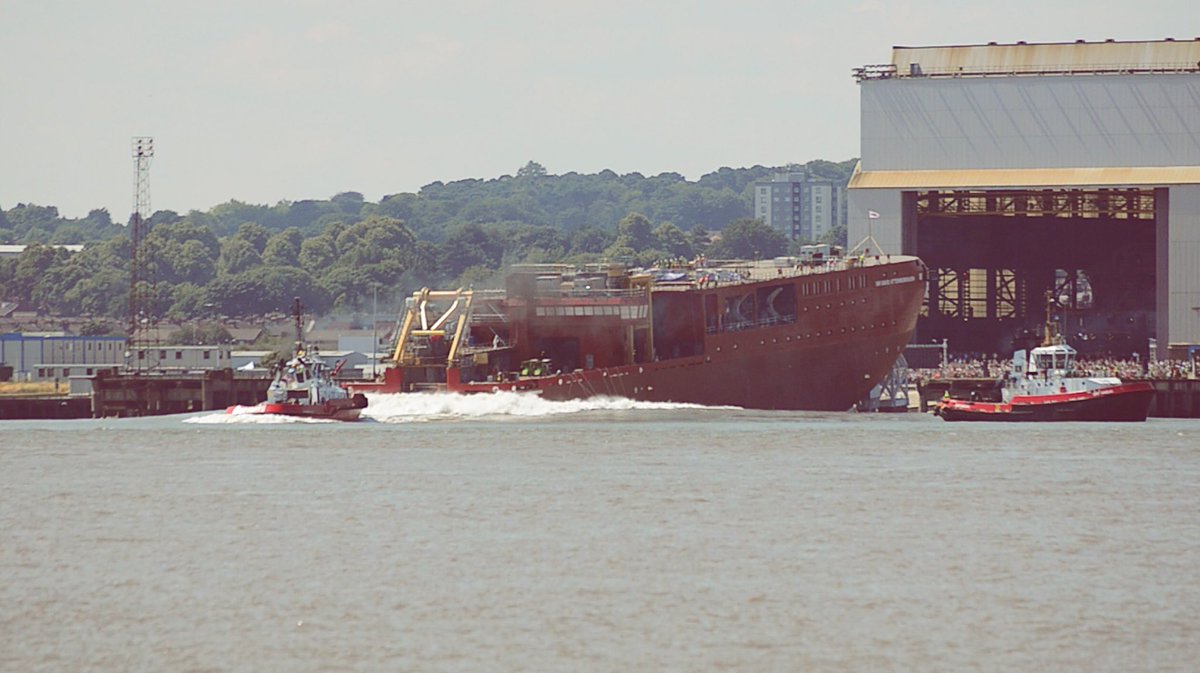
[984,367]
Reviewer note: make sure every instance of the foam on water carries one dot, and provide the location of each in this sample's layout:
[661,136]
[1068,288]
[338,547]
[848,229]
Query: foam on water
[250,415]
[421,407]
[414,407]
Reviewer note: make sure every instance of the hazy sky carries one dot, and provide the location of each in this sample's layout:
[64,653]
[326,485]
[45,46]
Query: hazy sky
[265,100]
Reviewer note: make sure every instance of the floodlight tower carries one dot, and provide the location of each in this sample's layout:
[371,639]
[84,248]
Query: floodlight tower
[141,286]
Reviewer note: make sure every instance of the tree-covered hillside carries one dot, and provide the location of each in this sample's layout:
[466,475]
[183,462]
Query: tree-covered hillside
[244,259]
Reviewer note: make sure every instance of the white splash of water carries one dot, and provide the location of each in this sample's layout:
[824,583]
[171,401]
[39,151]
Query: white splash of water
[420,407]
[415,407]
[251,415]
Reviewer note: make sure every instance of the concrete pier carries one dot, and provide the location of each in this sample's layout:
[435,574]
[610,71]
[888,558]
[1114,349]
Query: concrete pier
[151,394]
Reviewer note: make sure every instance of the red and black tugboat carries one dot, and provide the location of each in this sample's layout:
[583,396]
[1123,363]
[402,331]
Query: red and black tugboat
[304,386]
[775,334]
[1046,390]
[1044,386]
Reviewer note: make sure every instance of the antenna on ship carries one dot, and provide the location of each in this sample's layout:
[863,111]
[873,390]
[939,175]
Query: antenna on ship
[298,316]
[1050,336]
[869,240]
[865,246]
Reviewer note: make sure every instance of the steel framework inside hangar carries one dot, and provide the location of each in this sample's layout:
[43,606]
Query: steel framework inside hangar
[999,259]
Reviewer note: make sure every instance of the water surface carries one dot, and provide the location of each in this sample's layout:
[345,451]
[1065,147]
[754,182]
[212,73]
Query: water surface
[508,534]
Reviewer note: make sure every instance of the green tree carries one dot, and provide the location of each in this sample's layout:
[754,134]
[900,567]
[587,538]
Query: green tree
[238,256]
[531,170]
[283,249]
[101,328]
[318,253]
[266,289]
[348,203]
[255,234]
[469,245]
[194,263]
[29,272]
[634,232]
[590,239]
[189,301]
[749,238]
[673,241]
[398,206]
[523,242]
[700,238]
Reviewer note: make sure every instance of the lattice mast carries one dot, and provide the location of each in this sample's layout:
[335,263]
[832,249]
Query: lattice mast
[143,324]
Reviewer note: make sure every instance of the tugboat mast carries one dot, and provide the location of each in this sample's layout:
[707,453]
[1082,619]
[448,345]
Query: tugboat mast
[1050,337]
[298,316]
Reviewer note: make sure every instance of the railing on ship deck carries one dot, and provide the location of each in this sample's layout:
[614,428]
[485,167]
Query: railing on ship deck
[751,324]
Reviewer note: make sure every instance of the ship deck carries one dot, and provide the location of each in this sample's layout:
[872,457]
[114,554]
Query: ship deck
[743,271]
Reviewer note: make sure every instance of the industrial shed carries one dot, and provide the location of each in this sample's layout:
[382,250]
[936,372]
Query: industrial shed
[1022,173]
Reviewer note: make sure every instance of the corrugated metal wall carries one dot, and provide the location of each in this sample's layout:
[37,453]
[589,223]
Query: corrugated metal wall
[1183,299]
[1031,122]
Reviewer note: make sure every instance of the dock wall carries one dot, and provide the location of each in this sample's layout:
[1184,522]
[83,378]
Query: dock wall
[153,394]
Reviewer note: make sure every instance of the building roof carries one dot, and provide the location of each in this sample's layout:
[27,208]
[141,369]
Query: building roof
[1039,58]
[244,335]
[1135,176]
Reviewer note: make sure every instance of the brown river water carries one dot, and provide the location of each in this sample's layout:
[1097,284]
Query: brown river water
[508,534]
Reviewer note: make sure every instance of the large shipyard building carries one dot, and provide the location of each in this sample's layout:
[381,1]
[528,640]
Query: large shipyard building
[1024,174]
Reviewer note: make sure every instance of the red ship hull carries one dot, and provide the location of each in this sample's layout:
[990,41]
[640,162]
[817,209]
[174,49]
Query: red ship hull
[336,410]
[1128,402]
[803,341]
[769,371]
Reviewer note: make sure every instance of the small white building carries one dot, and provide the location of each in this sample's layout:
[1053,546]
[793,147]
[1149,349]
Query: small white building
[186,358]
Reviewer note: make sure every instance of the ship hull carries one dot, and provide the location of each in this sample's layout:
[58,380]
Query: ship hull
[337,410]
[761,371]
[1129,402]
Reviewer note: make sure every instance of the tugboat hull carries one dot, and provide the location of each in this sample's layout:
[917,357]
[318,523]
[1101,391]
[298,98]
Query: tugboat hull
[337,410]
[1128,402]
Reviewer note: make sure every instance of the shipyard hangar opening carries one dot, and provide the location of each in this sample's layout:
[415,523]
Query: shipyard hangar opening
[1001,260]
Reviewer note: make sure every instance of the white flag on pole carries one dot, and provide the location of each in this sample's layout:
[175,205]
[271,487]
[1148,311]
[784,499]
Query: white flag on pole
[872,215]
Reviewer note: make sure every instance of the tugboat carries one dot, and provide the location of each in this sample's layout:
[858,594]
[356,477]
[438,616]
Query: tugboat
[304,386]
[1044,387]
